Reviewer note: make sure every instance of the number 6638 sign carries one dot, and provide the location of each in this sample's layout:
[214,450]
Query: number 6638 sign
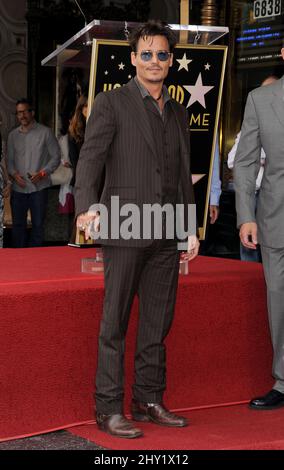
[266,8]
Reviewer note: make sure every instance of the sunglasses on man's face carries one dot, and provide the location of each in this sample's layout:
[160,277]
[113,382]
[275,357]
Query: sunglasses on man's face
[163,56]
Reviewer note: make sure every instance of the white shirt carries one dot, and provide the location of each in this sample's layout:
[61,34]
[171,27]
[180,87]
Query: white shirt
[231,159]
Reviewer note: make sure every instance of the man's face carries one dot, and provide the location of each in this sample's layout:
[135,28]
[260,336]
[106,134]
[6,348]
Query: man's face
[24,114]
[282,53]
[153,70]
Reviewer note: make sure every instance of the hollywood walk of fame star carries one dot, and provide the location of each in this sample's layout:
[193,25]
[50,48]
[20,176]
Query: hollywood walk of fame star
[196,178]
[183,63]
[197,92]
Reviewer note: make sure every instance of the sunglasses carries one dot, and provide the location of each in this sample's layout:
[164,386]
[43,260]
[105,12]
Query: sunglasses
[163,56]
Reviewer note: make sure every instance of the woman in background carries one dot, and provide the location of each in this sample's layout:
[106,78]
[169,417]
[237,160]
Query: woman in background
[76,133]
[70,145]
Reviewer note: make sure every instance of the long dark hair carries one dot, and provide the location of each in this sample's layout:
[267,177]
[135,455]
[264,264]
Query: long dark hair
[77,124]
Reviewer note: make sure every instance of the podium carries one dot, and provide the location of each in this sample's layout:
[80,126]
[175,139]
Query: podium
[77,51]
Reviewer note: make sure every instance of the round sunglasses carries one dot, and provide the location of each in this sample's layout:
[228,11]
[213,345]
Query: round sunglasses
[163,56]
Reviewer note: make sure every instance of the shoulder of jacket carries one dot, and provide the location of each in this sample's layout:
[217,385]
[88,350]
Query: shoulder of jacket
[265,90]
[108,99]
[108,94]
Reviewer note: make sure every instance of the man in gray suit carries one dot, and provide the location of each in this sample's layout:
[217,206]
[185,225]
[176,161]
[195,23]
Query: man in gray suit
[140,135]
[263,127]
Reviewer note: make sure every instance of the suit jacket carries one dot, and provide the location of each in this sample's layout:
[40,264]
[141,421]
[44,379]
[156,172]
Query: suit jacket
[119,137]
[263,126]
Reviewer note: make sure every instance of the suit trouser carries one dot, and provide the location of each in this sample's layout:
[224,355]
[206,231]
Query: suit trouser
[273,264]
[152,273]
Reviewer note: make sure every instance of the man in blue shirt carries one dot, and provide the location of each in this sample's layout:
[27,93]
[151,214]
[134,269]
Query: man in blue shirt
[215,190]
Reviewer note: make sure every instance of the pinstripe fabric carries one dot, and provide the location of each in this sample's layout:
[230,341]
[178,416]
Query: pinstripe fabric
[121,136]
[152,272]
[167,148]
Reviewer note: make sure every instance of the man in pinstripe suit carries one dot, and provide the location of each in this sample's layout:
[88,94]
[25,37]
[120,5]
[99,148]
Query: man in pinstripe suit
[141,137]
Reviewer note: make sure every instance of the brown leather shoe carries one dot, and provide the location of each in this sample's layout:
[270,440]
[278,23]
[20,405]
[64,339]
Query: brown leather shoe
[117,425]
[157,413]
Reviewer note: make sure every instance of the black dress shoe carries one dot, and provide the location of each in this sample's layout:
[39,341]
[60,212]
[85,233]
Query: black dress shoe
[270,401]
[157,413]
[117,425]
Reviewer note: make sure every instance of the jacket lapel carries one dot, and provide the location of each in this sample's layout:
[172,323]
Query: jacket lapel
[278,100]
[139,114]
[185,174]
[184,148]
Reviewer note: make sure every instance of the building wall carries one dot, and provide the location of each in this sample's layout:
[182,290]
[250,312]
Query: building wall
[13,60]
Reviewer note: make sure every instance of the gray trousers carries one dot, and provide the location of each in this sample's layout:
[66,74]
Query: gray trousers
[273,264]
[152,273]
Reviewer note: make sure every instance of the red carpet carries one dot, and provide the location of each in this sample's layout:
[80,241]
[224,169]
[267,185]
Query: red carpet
[224,428]
[218,349]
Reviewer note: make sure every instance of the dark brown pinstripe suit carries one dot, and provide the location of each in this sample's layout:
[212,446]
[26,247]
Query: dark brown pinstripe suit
[119,136]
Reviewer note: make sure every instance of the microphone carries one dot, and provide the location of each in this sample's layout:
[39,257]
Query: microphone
[81,11]
[88,41]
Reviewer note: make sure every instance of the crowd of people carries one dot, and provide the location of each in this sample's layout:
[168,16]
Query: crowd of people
[125,142]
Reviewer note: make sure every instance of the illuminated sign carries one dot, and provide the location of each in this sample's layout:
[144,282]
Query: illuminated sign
[266,8]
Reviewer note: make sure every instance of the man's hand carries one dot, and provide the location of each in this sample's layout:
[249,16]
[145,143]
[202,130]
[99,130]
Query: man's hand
[248,235]
[214,213]
[85,220]
[192,249]
[19,180]
[36,177]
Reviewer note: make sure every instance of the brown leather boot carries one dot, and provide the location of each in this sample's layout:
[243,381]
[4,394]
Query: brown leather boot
[157,413]
[117,425]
